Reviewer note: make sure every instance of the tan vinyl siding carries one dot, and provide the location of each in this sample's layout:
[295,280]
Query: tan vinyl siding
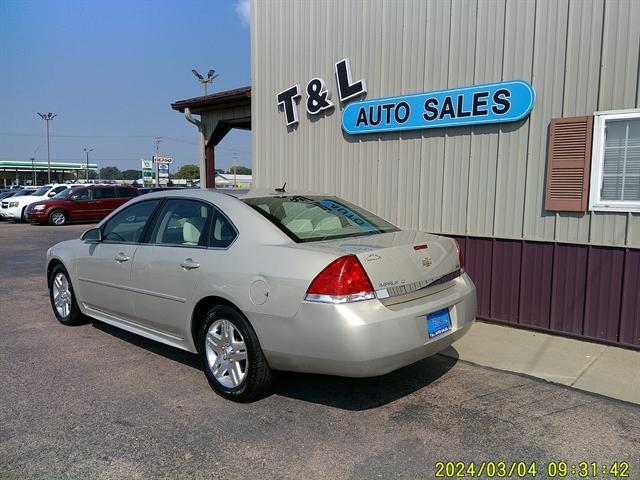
[580,56]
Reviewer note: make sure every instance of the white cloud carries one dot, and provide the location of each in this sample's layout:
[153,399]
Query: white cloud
[243,10]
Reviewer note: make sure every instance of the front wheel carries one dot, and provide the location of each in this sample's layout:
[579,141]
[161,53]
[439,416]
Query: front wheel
[63,301]
[57,217]
[231,356]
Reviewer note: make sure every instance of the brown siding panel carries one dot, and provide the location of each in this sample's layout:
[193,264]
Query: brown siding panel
[505,280]
[630,313]
[535,284]
[477,256]
[568,164]
[568,288]
[604,293]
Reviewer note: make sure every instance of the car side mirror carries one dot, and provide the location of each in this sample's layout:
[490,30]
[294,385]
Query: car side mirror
[51,194]
[73,198]
[93,235]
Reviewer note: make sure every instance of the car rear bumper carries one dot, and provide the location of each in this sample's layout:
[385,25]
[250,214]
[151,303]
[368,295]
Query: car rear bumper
[366,338]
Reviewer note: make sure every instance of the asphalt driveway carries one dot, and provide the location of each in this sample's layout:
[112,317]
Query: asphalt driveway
[94,402]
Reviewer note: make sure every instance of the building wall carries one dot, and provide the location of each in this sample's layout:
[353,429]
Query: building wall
[580,56]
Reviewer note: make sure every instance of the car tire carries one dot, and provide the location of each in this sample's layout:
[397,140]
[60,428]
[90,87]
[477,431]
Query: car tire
[62,297]
[57,217]
[23,215]
[231,356]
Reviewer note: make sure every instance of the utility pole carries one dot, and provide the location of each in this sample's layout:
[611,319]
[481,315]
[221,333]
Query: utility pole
[157,141]
[205,81]
[235,161]
[87,150]
[33,167]
[47,117]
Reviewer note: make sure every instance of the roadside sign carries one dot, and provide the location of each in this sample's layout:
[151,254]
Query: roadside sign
[147,172]
[160,159]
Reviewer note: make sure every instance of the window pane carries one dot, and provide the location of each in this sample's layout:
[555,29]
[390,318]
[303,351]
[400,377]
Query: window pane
[223,232]
[126,192]
[632,189]
[84,194]
[611,188]
[621,168]
[181,222]
[104,193]
[127,226]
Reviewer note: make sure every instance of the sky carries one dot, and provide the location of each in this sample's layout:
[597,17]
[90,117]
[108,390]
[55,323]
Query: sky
[110,70]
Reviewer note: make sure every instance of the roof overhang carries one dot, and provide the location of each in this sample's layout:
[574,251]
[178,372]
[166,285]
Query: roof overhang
[237,97]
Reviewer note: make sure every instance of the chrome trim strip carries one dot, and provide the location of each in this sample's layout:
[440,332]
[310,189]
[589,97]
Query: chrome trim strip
[421,284]
[132,289]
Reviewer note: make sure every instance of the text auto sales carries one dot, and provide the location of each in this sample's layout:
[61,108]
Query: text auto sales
[478,104]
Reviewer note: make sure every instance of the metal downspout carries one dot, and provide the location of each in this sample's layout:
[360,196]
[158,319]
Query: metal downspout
[203,153]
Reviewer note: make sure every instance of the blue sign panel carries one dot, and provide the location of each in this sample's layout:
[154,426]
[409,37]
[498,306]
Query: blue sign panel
[478,104]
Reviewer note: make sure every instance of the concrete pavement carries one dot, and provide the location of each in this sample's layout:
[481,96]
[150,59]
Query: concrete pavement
[592,367]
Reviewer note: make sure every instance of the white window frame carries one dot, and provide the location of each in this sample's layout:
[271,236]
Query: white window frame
[597,164]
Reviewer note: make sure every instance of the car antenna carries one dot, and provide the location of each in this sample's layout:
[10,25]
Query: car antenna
[281,189]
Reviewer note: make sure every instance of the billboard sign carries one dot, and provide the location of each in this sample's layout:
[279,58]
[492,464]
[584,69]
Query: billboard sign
[160,159]
[147,172]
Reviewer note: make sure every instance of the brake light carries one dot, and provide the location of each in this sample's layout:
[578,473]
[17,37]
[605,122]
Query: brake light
[342,281]
[460,256]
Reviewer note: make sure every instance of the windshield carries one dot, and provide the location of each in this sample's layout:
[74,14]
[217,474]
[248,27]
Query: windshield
[41,191]
[22,193]
[315,218]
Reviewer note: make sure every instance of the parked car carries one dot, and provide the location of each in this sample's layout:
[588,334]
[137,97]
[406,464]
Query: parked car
[11,203]
[82,204]
[144,190]
[17,207]
[304,283]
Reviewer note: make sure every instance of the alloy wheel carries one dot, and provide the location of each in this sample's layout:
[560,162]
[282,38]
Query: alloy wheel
[58,218]
[62,296]
[226,353]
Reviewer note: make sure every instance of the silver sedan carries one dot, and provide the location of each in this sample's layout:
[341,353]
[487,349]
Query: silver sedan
[273,280]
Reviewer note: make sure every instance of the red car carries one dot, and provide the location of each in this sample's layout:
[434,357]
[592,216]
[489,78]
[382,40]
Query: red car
[84,204]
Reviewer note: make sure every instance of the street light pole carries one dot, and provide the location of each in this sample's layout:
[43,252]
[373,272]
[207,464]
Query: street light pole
[47,117]
[205,81]
[157,141]
[87,150]
[33,167]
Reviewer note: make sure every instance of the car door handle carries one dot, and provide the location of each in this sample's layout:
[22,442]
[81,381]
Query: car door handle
[121,257]
[189,264]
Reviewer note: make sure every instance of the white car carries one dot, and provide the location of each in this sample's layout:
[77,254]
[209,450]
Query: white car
[15,208]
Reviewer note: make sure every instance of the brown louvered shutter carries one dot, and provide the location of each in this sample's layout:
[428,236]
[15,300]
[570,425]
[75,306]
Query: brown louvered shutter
[568,164]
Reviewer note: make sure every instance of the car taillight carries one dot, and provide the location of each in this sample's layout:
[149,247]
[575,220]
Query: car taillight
[343,281]
[460,256]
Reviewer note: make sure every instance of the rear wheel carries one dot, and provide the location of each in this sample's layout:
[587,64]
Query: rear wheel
[23,217]
[63,300]
[57,217]
[231,356]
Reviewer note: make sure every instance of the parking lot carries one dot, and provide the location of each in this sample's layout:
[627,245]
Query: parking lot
[94,402]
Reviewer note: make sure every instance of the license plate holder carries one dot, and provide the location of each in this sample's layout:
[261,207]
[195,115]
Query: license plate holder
[438,322]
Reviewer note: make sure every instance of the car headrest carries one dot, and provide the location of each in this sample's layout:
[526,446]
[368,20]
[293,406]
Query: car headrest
[192,229]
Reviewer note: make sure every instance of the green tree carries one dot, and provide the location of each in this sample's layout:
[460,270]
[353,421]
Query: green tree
[131,174]
[110,173]
[240,170]
[188,172]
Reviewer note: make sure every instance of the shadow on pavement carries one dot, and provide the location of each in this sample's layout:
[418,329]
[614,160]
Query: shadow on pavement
[339,392]
[362,393]
[172,353]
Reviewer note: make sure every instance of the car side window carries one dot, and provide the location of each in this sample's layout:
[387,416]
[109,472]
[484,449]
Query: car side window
[124,192]
[182,222]
[59,189]
[102,193]
[222,232]
[128,225]
[83,194]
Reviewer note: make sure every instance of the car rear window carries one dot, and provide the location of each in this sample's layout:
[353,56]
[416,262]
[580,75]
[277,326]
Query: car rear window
[315,218]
